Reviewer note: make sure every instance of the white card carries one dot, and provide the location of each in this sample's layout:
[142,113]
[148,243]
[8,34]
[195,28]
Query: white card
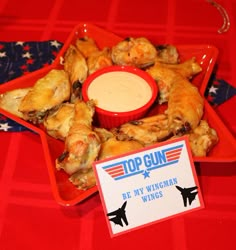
[148,186]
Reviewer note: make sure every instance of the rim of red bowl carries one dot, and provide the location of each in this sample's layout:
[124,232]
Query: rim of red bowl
[130,69]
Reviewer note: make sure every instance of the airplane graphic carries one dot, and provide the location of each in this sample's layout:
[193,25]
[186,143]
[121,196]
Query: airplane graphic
[187,194]
[119,216]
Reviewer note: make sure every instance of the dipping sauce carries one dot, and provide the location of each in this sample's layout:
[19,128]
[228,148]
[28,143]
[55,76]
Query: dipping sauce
[119,91]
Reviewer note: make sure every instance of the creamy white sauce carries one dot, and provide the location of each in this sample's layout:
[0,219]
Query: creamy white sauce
[119,91]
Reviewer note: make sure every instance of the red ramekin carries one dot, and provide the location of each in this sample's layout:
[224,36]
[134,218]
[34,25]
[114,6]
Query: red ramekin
[109,119]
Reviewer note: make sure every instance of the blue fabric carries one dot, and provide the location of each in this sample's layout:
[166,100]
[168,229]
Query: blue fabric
[20,58]
[218,91]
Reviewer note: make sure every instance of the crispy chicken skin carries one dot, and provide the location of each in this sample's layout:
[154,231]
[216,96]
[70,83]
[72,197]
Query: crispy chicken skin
[103,134]
[138,52]
[202,139]
[165,78]
[188,68]
[47,93]
[58,122]
[165,75]
[10,100]
[98,60]
[167,53]
[185,106]
[110,147]
[76,66]
[87,46]
[146,131]
[113,147]
[83,179]
[82,144]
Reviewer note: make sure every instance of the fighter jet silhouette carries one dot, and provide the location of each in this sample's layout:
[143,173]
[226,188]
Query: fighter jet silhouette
[119,215]
[187,194]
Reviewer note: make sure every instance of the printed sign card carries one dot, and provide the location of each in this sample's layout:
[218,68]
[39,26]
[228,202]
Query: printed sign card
[148,186]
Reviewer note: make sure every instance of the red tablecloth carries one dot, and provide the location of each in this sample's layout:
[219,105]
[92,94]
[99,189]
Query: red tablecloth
[29,216]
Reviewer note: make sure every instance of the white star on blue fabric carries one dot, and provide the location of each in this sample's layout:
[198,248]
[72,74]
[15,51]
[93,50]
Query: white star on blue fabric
[4,126]
[20,43]
[213,89]
[55,43]
[2,54]
[146,174]
[27,55]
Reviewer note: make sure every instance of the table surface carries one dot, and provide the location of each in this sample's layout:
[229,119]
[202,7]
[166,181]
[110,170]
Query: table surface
[29,216]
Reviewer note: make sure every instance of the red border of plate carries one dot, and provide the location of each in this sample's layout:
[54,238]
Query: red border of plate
[64,192]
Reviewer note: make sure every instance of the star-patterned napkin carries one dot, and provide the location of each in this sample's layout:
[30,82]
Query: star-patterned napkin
[20,58]
[218,91]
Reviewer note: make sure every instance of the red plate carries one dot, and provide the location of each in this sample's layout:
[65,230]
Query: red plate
[64,192]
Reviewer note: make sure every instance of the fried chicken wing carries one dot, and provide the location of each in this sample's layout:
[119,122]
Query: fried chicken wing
[47,93]
[113,147]
[165,78]
[103,134]
[76,67]
[188,68]
[147,131]
[83,179]
[202,139]
[81,149]
[167,53]
[165,75]
[58,122]
[185,106]
[82,144]
[10,100]
[98,60]
[138,52]
[87,46]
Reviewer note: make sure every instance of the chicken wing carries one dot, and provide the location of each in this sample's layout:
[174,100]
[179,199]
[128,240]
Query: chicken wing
[188,68]
[202,139]
[165,78]
[83,179]
[146,131]
[47,93]
[113,147]
[82,144]
[58,122]
[138,52]
[98,60]
[167,53]
[165,75]
[10,100]
[76,67]
[87,46]
[185,106]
